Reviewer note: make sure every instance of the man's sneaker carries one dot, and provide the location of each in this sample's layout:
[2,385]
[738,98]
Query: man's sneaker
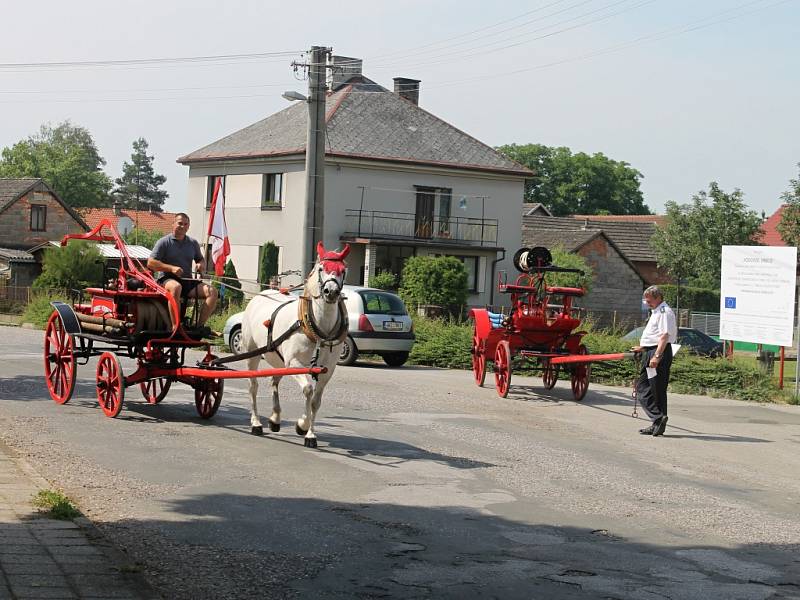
[660,426]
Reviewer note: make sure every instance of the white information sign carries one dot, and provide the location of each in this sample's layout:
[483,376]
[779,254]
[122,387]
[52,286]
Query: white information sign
[757,294]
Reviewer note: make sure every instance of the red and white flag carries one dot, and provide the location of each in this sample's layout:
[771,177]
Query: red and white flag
[217,228]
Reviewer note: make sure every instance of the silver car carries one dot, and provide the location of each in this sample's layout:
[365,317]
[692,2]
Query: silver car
[379,324]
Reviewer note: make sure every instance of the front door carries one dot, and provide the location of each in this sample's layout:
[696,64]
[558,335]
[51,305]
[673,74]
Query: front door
[423,219]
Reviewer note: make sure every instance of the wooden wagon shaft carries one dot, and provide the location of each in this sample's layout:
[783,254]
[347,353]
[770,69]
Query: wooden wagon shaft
[97,328]
[102,321]
[585,358]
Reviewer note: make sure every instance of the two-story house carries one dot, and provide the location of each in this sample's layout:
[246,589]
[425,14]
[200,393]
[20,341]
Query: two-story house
[399,182]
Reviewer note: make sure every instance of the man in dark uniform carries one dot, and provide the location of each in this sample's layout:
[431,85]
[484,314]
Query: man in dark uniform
[173,256]
[655,345]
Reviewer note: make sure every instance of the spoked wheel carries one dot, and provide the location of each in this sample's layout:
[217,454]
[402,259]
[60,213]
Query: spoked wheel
[478,360]
[549,375]
[60,368]
[580,376]
[110,384]
[207,396]
[154,390]
[502,368]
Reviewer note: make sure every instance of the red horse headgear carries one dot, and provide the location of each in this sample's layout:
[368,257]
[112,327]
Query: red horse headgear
[332,261]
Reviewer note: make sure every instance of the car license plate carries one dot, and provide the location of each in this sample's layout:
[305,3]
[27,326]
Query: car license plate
[392,325]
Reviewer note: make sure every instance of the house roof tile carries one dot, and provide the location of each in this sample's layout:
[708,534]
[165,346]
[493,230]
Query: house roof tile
[11,189]
[146,220]
[13,255]
[632,238]
[769,228]
[364,120]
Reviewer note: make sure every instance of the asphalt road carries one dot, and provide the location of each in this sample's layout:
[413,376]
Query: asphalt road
[424,486]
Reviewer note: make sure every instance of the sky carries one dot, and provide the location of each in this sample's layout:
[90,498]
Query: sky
[686,92]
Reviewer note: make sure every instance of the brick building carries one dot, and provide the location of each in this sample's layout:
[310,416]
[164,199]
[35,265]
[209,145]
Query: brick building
[30,214]
[616,294]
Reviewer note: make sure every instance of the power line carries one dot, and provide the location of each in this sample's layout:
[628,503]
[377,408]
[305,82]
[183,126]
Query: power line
[149,61]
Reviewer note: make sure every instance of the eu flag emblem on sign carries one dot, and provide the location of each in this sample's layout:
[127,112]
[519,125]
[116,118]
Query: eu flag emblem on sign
[730,302]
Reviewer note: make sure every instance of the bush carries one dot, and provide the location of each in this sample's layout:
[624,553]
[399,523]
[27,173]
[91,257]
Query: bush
[385,280]
[38,310]
[142,237]
[438,280]
[217,320]
[267,262]
[233,288]
[75,266]
[442,343]
[721,377]
[562,258]
[695,298]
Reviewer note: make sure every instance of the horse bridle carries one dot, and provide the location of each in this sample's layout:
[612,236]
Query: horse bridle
[321,283]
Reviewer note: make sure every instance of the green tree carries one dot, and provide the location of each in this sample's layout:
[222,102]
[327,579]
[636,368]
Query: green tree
[138,188]
[385,280]
[75,266]
[569,260]
[142,237]
[568,183]
[689,246]
[789,227]
[267,263]
[233,288]
[439,280]
[66,157]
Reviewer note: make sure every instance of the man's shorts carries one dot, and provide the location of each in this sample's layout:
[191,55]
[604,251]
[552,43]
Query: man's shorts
[187,285]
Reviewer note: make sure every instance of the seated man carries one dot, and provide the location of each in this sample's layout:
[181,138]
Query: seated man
[173,257]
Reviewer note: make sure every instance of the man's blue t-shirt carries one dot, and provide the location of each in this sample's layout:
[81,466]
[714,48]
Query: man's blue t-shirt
[180,253]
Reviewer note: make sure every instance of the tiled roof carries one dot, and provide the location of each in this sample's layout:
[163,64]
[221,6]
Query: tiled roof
[10,254]
[659,220]
[144,219]
[366,121]
[633,239]
[770,236]
[570,240]
[535,208]
[11,189]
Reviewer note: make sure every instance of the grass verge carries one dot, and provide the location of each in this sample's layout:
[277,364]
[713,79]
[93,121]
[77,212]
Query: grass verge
[55,505]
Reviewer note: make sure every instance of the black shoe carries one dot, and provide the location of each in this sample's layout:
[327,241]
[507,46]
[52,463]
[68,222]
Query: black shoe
[648,430]
[660,426]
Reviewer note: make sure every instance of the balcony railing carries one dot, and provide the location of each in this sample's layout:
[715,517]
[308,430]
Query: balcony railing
[397,225]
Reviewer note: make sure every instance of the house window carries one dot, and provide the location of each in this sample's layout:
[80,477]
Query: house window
[212,182]
[38,217]
[445,200]
[272,194]
[426,221]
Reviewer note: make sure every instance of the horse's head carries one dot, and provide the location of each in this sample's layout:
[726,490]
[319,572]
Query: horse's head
[330,272]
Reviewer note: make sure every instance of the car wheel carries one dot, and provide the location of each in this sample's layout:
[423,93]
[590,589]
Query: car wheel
[395,359]
[349,352]
[236,340]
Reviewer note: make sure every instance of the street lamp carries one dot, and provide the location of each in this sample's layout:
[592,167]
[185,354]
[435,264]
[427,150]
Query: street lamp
[292,96]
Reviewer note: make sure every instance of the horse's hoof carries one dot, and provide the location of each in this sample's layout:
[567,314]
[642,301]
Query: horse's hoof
[274,427]
[310,442]
[300,431]
[257,430]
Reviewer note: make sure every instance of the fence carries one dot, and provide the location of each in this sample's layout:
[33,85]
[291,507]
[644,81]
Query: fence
[708,323]
[15,294]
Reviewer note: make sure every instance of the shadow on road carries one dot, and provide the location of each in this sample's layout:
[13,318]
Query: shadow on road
[244,546]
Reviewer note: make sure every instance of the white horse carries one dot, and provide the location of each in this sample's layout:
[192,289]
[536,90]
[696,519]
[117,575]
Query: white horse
[296,332]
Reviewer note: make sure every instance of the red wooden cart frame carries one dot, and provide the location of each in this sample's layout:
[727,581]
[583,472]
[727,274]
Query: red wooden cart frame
[160,354]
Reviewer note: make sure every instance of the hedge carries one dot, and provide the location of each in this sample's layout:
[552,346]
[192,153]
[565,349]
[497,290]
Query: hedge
[695,298]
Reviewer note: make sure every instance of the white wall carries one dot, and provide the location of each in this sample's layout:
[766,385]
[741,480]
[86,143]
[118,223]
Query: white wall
[248,225]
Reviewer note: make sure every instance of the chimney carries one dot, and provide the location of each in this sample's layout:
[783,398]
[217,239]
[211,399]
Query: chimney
[344,68]
[117,207]
[407,88]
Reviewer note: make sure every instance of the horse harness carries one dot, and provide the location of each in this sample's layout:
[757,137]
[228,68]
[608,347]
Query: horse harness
[306,322]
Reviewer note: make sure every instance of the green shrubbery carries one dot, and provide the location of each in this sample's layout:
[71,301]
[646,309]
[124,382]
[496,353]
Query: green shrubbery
[38,310]
[442,343]
[385,280]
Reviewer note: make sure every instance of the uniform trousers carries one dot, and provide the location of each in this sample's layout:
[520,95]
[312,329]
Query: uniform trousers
[652,393]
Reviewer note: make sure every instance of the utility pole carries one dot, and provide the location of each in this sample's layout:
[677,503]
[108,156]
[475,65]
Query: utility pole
[314,222]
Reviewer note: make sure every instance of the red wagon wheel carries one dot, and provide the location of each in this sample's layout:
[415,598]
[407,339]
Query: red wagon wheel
[478,360]
[59,360]
[207,396]
[110,384]
[502,368]
[549,374]
[580,376]
[154,390]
